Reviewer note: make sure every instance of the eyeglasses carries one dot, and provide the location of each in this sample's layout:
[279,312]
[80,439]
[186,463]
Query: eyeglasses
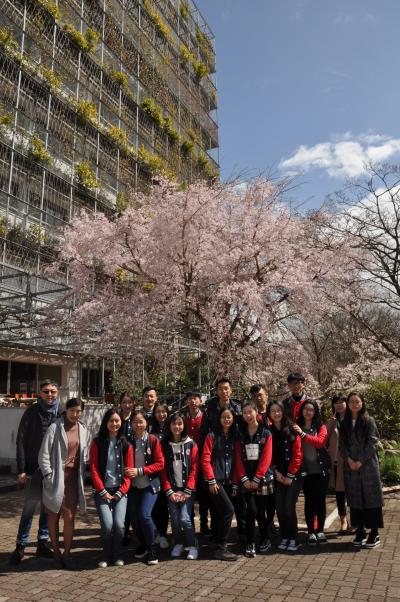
[48,392]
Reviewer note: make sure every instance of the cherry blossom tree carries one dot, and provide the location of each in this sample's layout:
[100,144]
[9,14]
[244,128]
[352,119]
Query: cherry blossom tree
[232,269]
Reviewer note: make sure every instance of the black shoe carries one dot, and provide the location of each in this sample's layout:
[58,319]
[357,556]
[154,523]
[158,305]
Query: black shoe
[68,562]
[222,553]
[43,549]
[140,551]
[360,539]
[126,540]
[373,540]
[17,555]
[152,557]
[205,530]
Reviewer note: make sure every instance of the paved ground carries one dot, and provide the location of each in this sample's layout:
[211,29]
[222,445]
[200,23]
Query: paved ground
[333,572]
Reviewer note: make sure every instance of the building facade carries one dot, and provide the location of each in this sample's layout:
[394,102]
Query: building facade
[96,98]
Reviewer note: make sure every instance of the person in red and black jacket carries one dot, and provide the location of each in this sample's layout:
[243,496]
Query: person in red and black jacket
[253,470]
[179,479]
[160,511]
[217,463]
[148,462]
[287,458]
[317,465]
[193,420]
[293,403]
[109,457]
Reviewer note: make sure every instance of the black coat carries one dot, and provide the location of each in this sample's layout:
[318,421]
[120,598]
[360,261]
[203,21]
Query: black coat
[211,416]
[32,428]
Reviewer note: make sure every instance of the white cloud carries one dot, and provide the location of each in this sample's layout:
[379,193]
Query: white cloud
[342,156]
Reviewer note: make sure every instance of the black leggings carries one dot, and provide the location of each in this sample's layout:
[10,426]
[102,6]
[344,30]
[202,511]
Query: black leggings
[285,500]
[315,487]
[256,509]
[160,514]
[222,509]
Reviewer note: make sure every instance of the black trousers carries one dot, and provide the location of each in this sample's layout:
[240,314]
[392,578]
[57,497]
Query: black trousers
[256,510]
[204,504]
[222,510]
[340,497]
[315,487]
[160,514]
[285,500]
[368,518]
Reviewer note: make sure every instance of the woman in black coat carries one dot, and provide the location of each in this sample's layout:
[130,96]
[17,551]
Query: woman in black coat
[358,447]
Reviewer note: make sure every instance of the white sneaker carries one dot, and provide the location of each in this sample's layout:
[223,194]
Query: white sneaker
[177,550]
[293,546]
[102,564]
[163,543]
[193,554]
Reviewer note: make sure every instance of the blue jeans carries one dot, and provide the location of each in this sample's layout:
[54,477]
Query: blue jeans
[141,503]
[112,522]
[33,496]
[180,513]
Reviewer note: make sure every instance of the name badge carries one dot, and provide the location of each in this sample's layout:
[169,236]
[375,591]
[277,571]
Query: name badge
[252,451]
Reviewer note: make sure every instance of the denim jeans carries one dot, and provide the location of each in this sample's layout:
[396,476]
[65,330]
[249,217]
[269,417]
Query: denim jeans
[112,522]
[33,494]
[180,513]
[141,503]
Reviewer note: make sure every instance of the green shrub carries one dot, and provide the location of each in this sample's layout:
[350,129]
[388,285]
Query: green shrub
[187,147]
[184,9]
[51,8]
[52,78]
[171,132]
[200,70]
[383,400]
[390,468]
[92,39]
[119,136]
[86,110]
[152,110]
[7,38]
[158,22]
[37,150]
[85,176]
[120,77]
[185,54]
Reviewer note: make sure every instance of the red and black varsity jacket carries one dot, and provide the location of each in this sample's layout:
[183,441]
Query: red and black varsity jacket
[287,454]
[98,455]
[154,462]
[319,440]
[244,468]
[190,467]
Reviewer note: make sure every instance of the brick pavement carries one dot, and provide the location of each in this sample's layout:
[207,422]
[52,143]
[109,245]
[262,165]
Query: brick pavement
[334,572]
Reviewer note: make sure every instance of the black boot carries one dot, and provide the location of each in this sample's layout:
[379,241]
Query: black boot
[17,555]
[43,549]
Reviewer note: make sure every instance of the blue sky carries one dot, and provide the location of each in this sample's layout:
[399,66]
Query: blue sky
[308,87]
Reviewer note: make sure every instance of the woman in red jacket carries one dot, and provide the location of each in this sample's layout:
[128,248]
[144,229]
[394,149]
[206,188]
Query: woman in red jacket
[253,455]
[179,479]
[148,462]
[217,463]
[317,465]
[109,455]
[287,458]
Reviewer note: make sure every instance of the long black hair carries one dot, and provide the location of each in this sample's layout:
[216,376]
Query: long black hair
[170,420]
[218,427]
[286,423]
[317,420]
[103,430]
[361,426]
[155,424]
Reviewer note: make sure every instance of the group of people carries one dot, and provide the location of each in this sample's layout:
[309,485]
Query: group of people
[148,466]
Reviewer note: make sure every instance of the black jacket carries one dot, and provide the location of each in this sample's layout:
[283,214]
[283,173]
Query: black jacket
[211,416]
[32,428]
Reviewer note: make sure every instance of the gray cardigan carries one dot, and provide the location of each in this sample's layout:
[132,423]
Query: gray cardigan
[52,456]
[363,487]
